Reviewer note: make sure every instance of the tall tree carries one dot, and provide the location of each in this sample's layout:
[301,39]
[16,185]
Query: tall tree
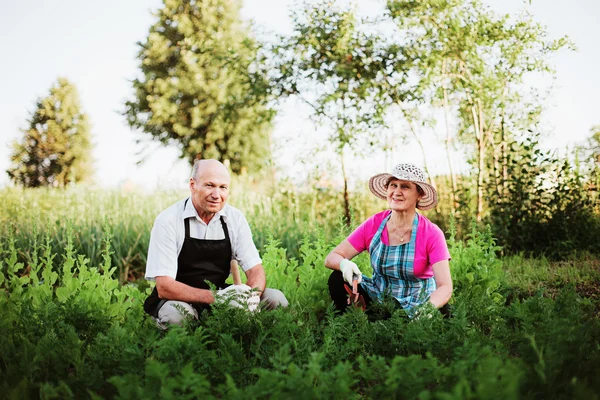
[56,148]
[202,87]
[473,62]
[338,71]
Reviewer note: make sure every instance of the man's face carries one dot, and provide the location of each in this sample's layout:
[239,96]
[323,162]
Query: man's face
[210,191]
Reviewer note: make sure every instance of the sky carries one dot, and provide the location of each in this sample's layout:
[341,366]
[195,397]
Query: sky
[93,44]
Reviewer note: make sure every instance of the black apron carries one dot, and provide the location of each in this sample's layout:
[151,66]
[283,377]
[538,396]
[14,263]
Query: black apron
[199,260]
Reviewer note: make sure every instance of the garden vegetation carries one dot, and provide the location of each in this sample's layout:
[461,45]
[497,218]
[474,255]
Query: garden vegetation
[73,326]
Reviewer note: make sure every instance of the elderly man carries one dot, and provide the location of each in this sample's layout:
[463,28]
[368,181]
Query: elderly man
[194,241]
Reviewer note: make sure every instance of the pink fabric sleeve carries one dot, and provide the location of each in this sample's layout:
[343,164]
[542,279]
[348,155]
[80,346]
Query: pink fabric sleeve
[360,239]
[431,248]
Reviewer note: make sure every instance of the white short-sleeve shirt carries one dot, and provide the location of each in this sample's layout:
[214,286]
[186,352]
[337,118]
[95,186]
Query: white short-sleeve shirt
[168,234]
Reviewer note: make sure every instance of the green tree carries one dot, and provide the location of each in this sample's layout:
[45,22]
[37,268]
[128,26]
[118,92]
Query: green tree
[338,70]
[588,155]
[544,207]
[473,62]
[202,87]
[589,152]
[56,148]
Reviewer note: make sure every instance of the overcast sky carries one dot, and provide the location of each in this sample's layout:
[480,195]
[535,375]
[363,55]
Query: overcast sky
[93,44]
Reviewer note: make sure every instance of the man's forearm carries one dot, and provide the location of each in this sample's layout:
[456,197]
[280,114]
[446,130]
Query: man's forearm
[256,277]
[169,289]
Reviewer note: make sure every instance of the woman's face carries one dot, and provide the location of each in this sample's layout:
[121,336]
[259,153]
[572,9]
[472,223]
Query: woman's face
[402,195]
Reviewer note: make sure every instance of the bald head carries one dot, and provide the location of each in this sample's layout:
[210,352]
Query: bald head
[210,166]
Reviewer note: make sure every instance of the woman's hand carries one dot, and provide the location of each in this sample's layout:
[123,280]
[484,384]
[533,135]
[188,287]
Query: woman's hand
[349,270]
[343,252]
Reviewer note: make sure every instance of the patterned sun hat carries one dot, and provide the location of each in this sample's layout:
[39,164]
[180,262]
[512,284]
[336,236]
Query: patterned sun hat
[405,172]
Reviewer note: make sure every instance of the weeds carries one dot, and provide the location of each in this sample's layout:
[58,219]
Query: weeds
[75,332]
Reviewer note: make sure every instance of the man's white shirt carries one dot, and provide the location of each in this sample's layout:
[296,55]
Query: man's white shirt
[168,234]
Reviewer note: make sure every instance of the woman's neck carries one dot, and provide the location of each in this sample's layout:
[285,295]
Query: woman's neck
[402,218]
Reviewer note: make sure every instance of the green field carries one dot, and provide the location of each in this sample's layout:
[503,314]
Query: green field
[72,324]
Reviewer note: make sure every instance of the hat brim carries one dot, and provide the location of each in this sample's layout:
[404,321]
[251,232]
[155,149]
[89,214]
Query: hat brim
[378,186]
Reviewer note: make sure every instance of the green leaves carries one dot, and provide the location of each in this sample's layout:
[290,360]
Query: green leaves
[476,270]
[542,207]
[56,147]
[337,69]
[91,338]
[203,86]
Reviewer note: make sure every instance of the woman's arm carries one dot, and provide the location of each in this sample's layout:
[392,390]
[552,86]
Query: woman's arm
[443,281]
[343,251]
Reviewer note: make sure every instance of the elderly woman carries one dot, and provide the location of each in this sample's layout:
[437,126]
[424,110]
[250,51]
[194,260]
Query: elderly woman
[408,252]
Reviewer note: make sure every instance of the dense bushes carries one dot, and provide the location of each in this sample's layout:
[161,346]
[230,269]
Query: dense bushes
[78,333]
[542,206]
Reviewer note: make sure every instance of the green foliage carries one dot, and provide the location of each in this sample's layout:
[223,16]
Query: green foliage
[336,68]
[51,323]
[91,215]
[588,155]
[542,206]
[472,62]
[545,329]
[56,148]
[202,87]
[476,270]
[77,333]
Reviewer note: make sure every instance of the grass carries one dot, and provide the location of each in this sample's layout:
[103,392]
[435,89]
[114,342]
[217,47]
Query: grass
[529,272]
[31,216]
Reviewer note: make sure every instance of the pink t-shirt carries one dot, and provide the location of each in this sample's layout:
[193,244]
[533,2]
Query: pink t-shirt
[430,245]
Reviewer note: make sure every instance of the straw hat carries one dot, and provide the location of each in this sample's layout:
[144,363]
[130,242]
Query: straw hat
[406,172]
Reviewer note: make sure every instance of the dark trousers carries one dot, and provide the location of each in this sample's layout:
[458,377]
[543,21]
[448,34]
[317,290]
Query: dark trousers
[339,294]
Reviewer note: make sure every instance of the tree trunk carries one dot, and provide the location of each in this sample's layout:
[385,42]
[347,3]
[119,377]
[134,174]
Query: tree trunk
[480,181]
[480,154]
[346,198]
[504,160]
[425,167]
[448,141]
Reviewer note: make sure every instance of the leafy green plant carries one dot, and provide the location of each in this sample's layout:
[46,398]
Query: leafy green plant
[68,328]
[476,269]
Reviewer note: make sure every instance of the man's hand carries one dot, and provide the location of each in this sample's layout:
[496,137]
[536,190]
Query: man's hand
[253,302]
[350,270]
[234,295]
[240,296]
[233,290]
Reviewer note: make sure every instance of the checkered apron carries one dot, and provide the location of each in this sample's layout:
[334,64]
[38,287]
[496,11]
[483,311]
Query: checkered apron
[393,273]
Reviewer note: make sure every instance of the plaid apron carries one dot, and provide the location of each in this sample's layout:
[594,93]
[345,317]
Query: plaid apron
[393,273]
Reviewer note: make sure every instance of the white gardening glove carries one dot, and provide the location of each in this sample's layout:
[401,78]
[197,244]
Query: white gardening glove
[234,295]
[253,302]
[349,270]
